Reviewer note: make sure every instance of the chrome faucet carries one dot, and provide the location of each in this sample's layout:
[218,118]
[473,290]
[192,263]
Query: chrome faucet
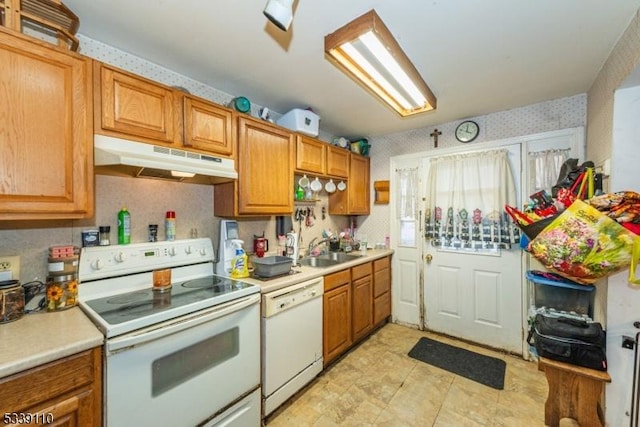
[313,244]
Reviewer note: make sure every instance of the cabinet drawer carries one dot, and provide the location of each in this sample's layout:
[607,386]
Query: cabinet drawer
[29,388]
[332,281]
[361,270]
[381,263]
[381,282]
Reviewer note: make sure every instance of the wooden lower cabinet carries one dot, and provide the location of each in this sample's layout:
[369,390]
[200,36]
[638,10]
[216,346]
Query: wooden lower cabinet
[362,304]
[67,392]
[381,290]
[336,315]
[356,300]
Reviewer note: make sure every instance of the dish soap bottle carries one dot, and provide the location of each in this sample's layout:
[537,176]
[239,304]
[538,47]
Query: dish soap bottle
[239,267]
[124,227]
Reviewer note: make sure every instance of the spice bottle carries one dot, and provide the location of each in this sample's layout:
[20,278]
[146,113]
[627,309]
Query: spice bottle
[170,225]
[105,238]
[124,227]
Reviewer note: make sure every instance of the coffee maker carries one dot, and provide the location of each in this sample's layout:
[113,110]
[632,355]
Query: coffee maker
[226,249]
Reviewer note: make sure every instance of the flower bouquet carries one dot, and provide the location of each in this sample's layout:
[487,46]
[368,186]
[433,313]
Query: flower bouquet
[583,245]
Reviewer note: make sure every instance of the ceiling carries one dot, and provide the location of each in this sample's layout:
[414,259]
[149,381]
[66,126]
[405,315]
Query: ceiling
[477,57]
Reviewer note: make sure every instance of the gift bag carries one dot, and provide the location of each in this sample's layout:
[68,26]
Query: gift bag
[583,245]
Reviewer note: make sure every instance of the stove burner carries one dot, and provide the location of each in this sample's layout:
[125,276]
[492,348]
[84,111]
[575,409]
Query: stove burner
[128,298]
[204,282]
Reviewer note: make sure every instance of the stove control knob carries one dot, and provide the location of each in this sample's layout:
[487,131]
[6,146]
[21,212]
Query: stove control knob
[203,251]
[188,250]
[120,257]
[172,251]
[97,264]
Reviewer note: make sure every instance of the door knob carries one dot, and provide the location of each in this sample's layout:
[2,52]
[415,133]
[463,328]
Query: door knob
[428,258]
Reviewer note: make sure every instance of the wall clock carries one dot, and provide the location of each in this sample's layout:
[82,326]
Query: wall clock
[467,131]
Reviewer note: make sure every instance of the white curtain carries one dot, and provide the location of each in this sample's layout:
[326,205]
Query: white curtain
[466,195]
[544,167]
[407,205]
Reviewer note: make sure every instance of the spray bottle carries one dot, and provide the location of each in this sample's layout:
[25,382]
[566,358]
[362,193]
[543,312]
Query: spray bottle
[239,264]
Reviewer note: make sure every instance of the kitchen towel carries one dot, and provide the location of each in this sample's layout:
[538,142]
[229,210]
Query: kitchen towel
[477,367]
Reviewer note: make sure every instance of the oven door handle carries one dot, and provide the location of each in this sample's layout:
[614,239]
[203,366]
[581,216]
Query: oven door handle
[155,332]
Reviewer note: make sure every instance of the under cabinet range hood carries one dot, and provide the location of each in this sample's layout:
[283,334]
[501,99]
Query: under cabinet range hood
[115,156]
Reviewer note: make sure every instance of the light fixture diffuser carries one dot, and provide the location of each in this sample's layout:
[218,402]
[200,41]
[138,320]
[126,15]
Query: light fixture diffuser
[366,50]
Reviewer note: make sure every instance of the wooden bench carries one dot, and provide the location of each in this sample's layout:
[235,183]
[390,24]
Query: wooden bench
[574,392]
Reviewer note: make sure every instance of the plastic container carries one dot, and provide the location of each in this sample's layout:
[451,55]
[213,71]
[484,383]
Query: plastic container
[271,266]
[561,294]
[303,121]
[124,227]
[170,226]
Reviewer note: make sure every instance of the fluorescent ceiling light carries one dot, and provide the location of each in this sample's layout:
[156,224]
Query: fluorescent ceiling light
[367,51]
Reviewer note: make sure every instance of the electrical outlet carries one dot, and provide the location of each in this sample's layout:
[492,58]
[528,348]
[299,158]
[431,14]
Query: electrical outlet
[9,267]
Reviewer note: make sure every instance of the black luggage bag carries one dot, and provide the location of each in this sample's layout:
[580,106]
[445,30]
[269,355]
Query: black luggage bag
[569,340]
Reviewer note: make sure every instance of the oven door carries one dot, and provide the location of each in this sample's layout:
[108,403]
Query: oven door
[185,371]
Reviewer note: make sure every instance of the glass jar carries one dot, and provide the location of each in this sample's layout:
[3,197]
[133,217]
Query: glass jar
[62,292]
[11,300]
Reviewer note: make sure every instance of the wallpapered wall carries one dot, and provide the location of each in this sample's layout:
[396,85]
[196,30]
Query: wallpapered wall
[624,58]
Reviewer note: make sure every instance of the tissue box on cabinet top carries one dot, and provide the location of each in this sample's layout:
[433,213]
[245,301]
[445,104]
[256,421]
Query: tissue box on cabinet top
[303,121]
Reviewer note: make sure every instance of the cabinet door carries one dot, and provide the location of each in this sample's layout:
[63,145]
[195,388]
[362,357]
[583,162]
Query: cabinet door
[381,290]
[362,307]
[208,127]
[337,162]
[134,106]
[336,322]
[46,135]
[355,199]
[311,155]
[358,191]
[265,168]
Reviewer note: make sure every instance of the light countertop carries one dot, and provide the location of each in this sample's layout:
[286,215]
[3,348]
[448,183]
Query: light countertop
[306,272]
[43,337]
[39,338]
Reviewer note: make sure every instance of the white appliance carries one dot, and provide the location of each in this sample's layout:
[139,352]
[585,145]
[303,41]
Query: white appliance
[291,341]
[154,161]
[226,250]
[167,353]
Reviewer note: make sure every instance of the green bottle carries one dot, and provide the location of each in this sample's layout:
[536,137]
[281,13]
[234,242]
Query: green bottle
[124,227]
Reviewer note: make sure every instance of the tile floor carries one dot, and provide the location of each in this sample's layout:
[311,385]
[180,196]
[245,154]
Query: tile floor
[377,384]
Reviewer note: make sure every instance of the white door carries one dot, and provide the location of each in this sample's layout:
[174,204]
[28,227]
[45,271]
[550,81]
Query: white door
[476,295]
[406,241]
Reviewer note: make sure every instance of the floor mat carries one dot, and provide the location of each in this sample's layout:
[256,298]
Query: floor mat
[477,367]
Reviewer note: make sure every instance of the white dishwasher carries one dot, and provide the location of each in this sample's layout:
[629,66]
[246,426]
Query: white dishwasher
[291,340]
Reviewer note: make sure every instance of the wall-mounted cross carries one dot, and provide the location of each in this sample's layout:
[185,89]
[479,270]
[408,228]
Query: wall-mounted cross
[435,135]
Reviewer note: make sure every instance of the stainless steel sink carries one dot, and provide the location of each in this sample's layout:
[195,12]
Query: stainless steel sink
[327,260]
[316,261]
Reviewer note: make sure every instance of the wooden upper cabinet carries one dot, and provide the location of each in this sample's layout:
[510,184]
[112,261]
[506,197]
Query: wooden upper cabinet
[208,127]
[311,155]
[46,136]
[337,162]
[136,107]
[266,159]
[359,185]
[355,199]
